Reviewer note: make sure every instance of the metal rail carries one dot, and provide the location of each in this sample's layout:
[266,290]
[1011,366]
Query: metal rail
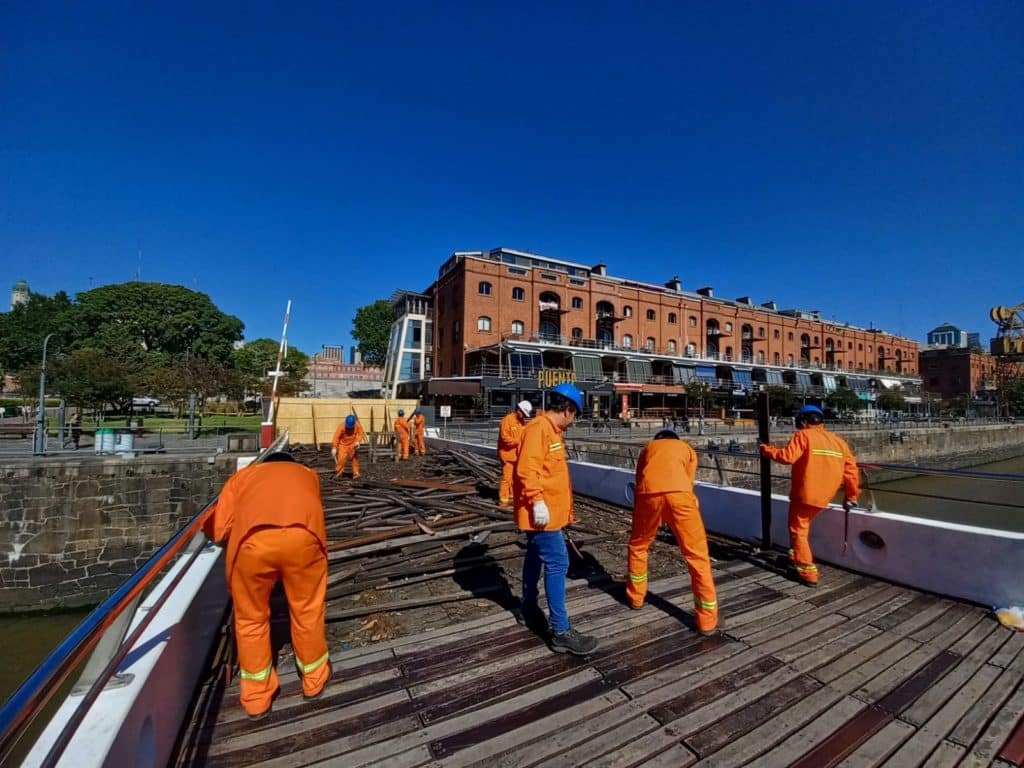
[38,689]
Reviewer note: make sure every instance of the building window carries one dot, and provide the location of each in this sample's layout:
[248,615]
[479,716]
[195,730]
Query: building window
[577,302]
[577,333]
[692,322]
[627,311]
[789,360]
[485,289]
[483,323]
[776,360]
[516,271]
[776,334]
[650,343]
[518,327]
[671,346]
[760,332]
[518,294]
[789,336]
[651,314]
[860,347]
[627,341]
[672,319]
[728,327]
[849,345]
[456,332]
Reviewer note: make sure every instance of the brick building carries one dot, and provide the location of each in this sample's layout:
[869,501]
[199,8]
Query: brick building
[954,372]
[507,323]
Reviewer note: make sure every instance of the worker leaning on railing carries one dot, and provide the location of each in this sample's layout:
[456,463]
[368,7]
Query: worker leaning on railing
[272,519]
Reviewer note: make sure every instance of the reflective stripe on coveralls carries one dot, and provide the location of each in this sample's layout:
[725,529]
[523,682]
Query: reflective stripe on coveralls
[307,668]
[260,676]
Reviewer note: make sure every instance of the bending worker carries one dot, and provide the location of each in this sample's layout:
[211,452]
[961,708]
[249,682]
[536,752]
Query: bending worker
[665,473]
[509,436]
[401,436]
[419,426]
[822,461]
[272,518]
[543,507]
[345,445]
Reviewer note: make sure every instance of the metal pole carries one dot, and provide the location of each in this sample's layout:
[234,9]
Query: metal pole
[41,416]
[763,436]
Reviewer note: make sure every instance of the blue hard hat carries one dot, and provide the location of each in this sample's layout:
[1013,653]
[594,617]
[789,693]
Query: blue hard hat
[350,422]
[570,393]
[401,411]
[812,409]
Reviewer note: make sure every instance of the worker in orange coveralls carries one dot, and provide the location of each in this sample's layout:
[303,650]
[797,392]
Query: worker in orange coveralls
[419,426]
[822,462]
[273,520]
[402,436]
[665,473]
[345,445]
[510,435]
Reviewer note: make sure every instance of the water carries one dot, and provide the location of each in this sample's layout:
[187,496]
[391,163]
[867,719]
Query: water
[27,640]
[985,503]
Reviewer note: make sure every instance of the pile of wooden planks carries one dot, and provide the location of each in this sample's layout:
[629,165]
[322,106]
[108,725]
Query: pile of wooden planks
[386,534]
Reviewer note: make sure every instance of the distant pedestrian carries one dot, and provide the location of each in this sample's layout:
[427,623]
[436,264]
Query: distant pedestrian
[822,462]
[76,429]
[543,508]
[665,473]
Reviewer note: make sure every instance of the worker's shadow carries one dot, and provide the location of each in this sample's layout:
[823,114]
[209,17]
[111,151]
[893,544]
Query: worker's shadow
[584,565]
[476,571]
[280,623]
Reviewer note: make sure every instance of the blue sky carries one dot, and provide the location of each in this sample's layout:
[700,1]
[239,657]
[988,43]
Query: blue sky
[865,159]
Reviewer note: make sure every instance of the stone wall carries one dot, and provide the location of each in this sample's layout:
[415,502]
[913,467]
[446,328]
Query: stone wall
[73,530]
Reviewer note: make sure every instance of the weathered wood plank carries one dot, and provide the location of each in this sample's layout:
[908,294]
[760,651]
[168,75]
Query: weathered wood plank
[946,755]
[804,740]
[619,733]
[999,728]
[973,723]
[699,697]
[875,750]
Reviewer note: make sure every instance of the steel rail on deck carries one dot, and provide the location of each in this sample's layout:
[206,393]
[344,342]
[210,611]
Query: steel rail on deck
[47,678]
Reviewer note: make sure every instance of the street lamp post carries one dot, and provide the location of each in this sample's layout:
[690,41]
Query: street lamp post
[41,415]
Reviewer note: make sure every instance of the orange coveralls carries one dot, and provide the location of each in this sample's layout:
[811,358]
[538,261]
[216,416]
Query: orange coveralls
[542,474]
[419,423]
[510,435]
[822,461]
[665,473]
[402,435]
[347,444]
[273,520]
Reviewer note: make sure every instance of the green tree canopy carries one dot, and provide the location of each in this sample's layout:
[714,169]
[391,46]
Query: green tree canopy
[891,400]
[843,401]
[781,400]
[256,358]
[172,320]
[23,329]
[371,328]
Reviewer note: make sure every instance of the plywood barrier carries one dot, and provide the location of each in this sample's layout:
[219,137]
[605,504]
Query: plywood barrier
[313,421]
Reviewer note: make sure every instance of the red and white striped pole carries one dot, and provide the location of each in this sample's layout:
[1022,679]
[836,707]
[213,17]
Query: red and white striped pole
[267,428]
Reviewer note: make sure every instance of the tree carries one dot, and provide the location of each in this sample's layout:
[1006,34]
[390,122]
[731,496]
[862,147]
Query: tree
[844,401]
[371,328]
[125,318]
[23,329]
[781,400]
[891,400]
[89,378]
[1013,396]
[256,358]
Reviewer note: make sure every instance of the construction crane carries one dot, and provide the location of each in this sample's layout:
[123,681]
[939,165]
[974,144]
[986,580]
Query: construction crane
[1009,340]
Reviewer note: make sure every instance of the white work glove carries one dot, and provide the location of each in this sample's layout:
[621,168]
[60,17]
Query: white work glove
[334,453]
[540,516]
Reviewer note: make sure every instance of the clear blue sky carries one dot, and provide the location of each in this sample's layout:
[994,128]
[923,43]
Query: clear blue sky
[866,159]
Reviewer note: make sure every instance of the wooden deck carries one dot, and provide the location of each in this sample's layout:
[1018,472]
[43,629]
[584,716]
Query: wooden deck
[854,673]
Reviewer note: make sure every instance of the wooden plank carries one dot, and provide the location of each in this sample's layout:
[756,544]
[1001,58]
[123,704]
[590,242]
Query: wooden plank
[812,641]
[853,587]
[696,667]
[1011,650]
[854,656]
[880,686]
[875,750]
[845,739]
[807,738]
[613,732]
[660,749]
[699,697]
[1000,727]
[712,738]
[974,722]
[874,608]
[946,755]
[1013,749]
[335,751]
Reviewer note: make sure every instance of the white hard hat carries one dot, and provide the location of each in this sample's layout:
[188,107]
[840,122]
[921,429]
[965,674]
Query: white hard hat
[526,407]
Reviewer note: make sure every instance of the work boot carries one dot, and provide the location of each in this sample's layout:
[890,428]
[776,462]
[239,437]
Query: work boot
[572,642]
[318,694]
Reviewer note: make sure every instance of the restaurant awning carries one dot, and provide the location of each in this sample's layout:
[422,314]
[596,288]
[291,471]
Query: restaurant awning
[453,387]
[706,374]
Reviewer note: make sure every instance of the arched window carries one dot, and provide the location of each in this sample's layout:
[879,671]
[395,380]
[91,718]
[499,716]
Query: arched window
[650,343]
[805,346]
[485,288]
[483,323]
[776,359]
[577,333]
[627,341]
[789,360]
[577,302]
[627,311]
[728,327]
[518,294]
[713,333]
[728,353]
[776,334]
[671,346]
[747,342]
[692,322]
[518,327]
[760,332]
[550,315]
[691,350]
[789,336]
[672,319]
[651,314]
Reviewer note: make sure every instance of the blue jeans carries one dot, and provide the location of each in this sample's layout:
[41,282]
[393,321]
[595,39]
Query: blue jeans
[547,548]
